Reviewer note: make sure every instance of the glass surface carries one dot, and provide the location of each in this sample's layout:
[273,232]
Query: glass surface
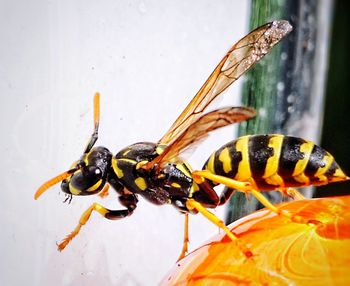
[147,59]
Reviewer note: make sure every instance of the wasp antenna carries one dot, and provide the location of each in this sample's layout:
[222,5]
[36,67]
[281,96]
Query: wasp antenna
[94,135]
[96,110]
[51,182]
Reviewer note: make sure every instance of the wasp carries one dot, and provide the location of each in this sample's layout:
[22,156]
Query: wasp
[155,171]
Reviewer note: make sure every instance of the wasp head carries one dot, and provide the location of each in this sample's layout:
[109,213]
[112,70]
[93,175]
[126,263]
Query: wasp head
[87,176]
[90,173]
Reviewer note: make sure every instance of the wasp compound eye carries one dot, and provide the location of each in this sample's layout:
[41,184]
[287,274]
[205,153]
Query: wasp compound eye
[85,181]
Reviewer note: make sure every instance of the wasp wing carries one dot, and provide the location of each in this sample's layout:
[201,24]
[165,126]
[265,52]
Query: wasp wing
[200,129]
[243,55]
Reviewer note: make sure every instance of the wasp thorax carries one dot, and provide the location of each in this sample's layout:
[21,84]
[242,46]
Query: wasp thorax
[175,178]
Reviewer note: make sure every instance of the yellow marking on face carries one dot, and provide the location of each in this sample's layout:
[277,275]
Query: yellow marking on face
[73,190]
[95,186]
[300,166]
[176,185]
[243,173]
[225,158]
[141,183]
[272,163]
[119,172]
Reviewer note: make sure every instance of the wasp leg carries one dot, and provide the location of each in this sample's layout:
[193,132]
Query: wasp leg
[109,214]
[293,193]
[129,201]
[200,176]
[271,207]
[104,193]
[207,195]
[209,198]
[185,241]
[246,188]
[192,205]
[226,195]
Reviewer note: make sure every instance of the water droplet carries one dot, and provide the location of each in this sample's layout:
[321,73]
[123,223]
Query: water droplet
[284,56]
[262,112]
[280,86]
[290,98]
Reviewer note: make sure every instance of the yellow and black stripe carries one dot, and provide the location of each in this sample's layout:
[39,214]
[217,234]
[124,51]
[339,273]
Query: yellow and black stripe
[275,161]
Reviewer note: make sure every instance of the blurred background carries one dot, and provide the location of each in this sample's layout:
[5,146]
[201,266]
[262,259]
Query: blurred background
[335,131]
[300,85]
[147,59]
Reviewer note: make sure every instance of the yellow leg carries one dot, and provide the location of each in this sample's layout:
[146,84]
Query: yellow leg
[110,214]
[185,241]
[275,209]
[245,187]
[241,186]
[104,193]
[193,205]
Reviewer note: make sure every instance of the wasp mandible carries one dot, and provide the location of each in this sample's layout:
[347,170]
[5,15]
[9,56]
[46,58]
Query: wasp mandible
[154,170]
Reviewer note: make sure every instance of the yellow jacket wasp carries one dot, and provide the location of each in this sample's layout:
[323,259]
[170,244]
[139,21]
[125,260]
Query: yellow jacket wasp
[154,170]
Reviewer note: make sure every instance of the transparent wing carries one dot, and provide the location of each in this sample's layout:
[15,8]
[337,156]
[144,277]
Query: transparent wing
[242,56]
[200,129]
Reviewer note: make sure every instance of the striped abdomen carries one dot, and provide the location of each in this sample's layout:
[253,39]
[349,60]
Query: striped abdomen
[275,161]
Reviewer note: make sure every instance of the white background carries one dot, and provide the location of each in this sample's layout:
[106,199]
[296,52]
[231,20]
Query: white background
[148,59]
